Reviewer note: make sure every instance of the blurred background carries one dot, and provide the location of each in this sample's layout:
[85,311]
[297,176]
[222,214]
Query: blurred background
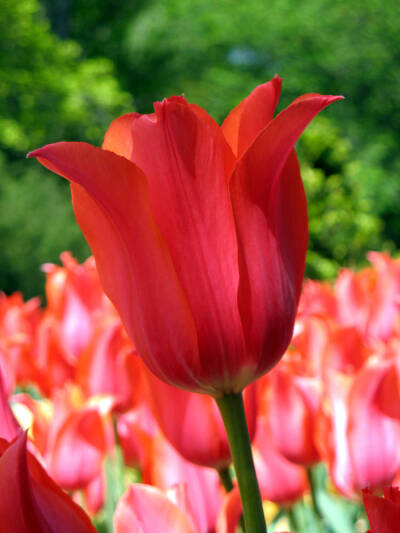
[68,67]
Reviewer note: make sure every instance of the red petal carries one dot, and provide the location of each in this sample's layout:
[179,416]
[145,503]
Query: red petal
[251,116]
[17,504]
[271,219]
[187,163]
[118,138]
[112,208]
[383,514]
[31,501]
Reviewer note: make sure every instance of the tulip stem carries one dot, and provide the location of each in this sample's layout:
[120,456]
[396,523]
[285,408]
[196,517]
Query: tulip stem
[226,478]
[313,493]
[232,412]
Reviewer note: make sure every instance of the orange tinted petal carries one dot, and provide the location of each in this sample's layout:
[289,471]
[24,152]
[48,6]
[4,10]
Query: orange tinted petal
[251,116]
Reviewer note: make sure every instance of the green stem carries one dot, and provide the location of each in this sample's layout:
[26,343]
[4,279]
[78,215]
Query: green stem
[226,479]
[232,412]
[294,526]
[313,492]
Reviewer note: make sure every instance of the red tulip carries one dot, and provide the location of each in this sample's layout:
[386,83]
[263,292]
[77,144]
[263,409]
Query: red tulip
[199,232]
[383,513]
[30,501]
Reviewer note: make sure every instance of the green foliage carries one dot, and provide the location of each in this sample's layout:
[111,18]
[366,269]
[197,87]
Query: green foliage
[342,221]
[48,93]
[215,53]
[36,224]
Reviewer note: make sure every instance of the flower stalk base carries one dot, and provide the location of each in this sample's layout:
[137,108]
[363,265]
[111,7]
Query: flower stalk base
[232,412]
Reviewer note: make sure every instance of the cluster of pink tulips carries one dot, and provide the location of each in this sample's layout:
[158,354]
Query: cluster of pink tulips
[333,398]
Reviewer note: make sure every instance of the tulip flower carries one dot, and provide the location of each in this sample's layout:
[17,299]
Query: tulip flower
[9,427]
[362,445]
[294,400]
[196,430]
[30,501]
[383,513]
[168,469]
[199,232]
[147,509]
[281,481]
[200,235]
[78,440]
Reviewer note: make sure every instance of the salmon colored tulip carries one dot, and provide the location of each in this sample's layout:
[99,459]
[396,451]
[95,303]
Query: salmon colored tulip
[30,501]
[148,509]
[370,299]
[136,429]
[9,427]
[18,324]
[78,440]
[292,404]
[281,481]
[199,232]
[192,422]
[108,365]
[168,468]
[383,513]
[357,440]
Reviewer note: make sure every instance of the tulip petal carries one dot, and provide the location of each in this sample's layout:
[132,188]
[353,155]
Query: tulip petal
[383,513]
[187,163]
[147,509]
[30,500]
[9,427]
[168,469]
[373,436]
[17,503]
[76,456]
[251,116]
[271,219]
[111,206]
[118,138]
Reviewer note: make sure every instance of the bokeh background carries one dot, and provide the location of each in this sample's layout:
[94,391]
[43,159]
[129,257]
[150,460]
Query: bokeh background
[68,67]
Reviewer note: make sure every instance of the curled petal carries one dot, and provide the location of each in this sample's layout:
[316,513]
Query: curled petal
[30,500]
[251,116]
[270,210]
